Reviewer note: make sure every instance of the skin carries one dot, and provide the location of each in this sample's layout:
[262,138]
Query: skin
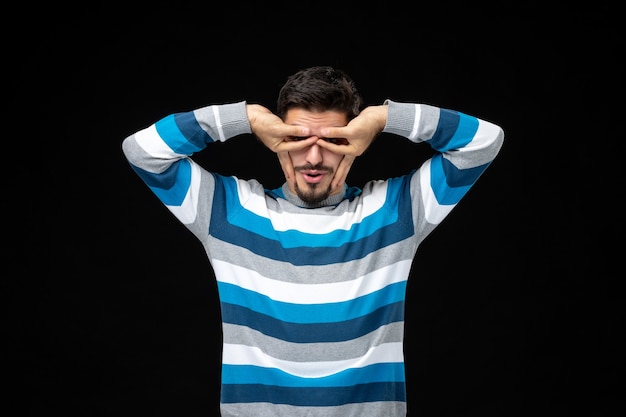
[314,166]
[316,149]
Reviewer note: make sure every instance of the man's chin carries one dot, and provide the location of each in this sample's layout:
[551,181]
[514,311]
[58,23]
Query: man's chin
[313,194]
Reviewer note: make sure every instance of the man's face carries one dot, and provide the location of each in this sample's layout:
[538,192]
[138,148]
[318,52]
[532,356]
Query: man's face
[314,166]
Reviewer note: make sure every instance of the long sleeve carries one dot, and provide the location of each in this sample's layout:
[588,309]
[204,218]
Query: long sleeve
[312,300]
[159,154]
[465,146]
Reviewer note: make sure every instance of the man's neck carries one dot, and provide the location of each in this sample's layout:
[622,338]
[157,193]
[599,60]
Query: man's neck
[331,200]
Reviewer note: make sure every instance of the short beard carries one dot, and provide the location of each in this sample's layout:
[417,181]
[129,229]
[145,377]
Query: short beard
[314,196]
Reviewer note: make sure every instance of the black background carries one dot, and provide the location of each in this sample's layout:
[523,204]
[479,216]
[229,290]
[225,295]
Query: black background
[514,306]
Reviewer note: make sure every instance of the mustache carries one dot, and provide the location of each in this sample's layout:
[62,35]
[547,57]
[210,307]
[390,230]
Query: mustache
[317,167]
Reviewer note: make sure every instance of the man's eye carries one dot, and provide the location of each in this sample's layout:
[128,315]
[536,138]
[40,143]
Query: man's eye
[336,141]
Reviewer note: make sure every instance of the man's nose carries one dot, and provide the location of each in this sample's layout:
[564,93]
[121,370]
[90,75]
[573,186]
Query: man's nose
[314,154]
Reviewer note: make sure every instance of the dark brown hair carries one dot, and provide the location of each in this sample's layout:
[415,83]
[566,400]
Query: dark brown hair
[319,88]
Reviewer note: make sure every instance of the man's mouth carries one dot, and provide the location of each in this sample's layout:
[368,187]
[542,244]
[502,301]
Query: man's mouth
[313,176]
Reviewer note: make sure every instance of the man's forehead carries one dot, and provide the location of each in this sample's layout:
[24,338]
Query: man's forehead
[316,119]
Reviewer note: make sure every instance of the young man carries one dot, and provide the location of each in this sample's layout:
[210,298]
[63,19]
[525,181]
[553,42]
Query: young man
[312,275]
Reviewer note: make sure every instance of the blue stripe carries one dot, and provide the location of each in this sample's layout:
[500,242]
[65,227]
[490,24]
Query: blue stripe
[259,237]
[241,217]
[248,374]
[454,130]
[171,185]
[313,332]
[182,133]
[449,183]
[191,129]
[322,397]
[312,313]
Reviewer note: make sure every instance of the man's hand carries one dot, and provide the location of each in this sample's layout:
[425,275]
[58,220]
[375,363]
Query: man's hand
[277,136]
[358,135]
[273,132]
[352,139]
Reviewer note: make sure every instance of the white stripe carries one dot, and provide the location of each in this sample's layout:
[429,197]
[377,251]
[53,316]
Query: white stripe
[188,210]
[311,293]
[416,122]
[433,211]
[312,223]
[484,135]
[248,355]
[483,138]
[151,142]
[218,123]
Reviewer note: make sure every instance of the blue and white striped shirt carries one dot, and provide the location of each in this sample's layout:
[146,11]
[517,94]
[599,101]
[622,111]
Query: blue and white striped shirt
[312,299]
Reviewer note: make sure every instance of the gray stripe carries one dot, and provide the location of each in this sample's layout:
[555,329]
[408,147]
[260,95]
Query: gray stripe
[233,120]
[469,159]
[308,274]
[312,352]
[137,156]
[370,409]
[401,119]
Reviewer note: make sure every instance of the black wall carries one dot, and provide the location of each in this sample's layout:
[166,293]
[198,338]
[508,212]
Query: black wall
[513,308]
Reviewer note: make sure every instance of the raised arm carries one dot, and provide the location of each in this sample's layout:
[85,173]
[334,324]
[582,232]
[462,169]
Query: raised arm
[465,146]
[160,153]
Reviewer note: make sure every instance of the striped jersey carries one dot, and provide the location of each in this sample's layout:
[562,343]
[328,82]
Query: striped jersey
[312,299]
